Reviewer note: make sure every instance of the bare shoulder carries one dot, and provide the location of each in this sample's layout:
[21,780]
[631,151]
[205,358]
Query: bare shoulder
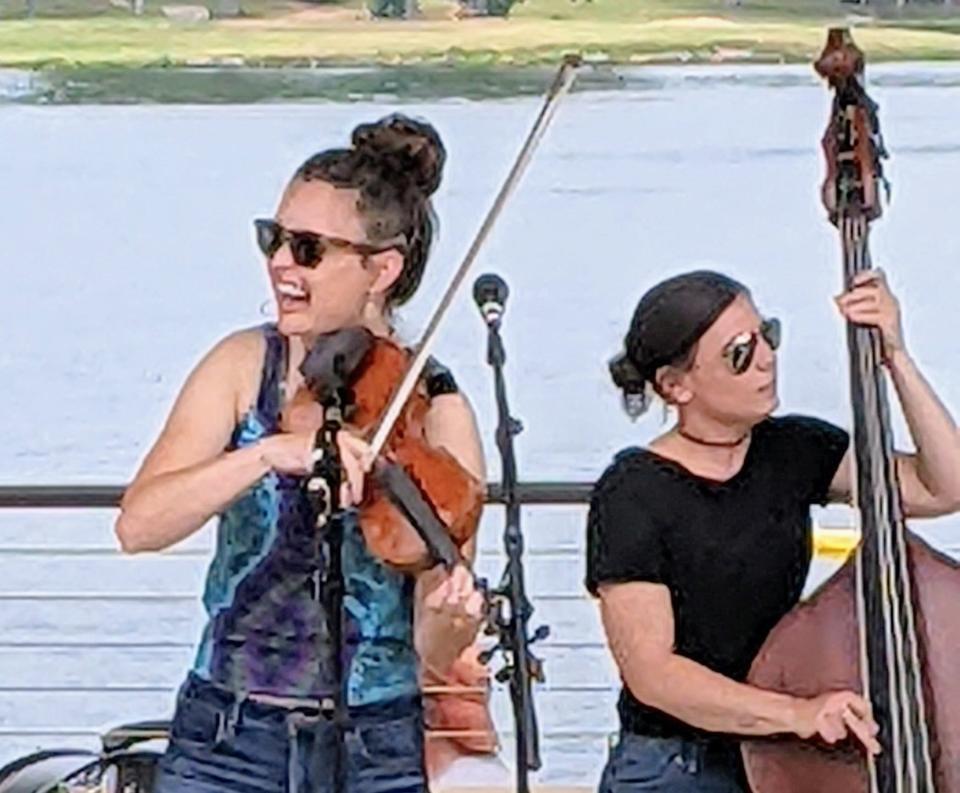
[242,347]
[454,404]
[205,411]
[450,423]
[237,360]
[450,413]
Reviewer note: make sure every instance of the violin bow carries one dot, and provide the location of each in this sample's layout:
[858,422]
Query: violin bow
[558,89]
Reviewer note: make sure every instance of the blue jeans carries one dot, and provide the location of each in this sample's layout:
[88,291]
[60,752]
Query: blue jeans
[672,765]
[221,745]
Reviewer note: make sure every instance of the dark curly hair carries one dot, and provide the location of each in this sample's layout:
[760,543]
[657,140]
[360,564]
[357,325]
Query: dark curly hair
[396,164]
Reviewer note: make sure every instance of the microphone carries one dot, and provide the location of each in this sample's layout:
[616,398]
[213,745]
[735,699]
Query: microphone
[490,294]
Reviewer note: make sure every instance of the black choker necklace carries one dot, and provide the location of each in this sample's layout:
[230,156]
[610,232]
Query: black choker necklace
[720,444]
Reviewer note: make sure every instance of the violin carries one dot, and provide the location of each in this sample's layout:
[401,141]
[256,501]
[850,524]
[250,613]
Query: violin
[367,369]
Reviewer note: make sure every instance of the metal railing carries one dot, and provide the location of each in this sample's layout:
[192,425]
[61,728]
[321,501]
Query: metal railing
[107,496]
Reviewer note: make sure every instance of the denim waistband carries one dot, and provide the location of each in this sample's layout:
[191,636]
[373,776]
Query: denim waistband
[223,711]
[692,752]
[197,687]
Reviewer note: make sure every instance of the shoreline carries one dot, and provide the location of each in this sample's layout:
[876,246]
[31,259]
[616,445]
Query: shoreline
[243,85]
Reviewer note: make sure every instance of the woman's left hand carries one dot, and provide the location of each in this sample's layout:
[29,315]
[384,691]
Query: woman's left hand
[356,458]
[304,415]
[450,611]
[869,301]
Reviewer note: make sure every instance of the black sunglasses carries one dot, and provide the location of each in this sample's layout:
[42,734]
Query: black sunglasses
[308,247]
[739,352]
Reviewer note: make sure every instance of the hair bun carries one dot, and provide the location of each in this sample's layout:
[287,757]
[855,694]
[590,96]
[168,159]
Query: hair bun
[635,387]
[626,375]
[409,152]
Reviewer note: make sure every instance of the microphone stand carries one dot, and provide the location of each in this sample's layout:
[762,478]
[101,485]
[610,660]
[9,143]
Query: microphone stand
[322,488]
[511,610]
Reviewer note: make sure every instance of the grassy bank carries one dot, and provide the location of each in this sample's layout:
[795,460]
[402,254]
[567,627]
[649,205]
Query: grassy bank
[93,33]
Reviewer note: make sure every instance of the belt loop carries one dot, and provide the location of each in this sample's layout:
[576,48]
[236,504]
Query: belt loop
[686,756]
[227,721]
[680,759]
[695,762]
[293,753]
[295,721]
[235,714]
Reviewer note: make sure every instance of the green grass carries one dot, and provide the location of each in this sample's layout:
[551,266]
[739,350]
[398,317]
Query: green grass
[232,86]
[94,33]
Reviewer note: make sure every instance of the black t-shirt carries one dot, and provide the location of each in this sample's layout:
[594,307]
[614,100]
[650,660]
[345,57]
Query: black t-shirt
[734,554]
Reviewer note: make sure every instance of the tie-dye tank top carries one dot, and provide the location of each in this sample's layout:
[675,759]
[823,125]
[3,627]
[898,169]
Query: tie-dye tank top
[267,630]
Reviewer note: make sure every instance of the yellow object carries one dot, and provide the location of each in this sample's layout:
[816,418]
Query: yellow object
[836,542]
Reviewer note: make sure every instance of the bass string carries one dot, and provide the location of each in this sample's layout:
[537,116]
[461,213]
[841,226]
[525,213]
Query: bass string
[920,763]
[910,744]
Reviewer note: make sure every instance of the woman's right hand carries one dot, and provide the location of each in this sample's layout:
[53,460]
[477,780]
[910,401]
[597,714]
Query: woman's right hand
[292,453]
[834,715]
[288,452]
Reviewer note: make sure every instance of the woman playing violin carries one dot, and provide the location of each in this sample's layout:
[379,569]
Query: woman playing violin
[348,244]
[701,542]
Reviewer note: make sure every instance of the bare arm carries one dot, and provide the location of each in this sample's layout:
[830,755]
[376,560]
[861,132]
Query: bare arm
[936,466]
[451,425]
[929,479]
[448,608]
[638,619]
[187,477]
[639,623]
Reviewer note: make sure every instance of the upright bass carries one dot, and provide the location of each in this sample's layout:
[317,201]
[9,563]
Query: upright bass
[888,623]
